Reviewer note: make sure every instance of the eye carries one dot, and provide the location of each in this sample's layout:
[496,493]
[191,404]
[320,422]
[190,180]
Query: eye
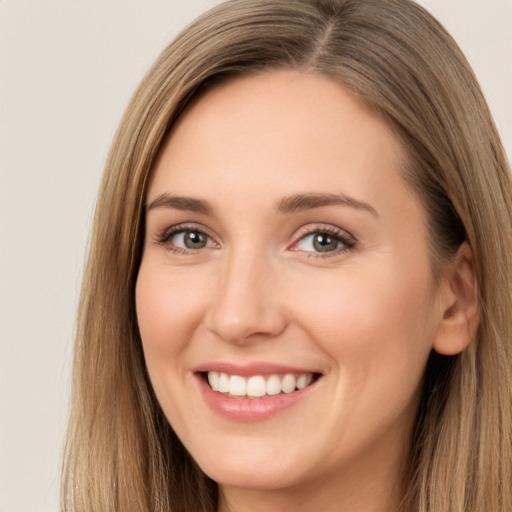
[324,241]
[186,239]
[190,240]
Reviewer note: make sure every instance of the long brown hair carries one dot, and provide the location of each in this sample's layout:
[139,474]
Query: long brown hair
[121,453]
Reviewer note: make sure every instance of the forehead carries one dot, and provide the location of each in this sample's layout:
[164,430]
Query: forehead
[304,131]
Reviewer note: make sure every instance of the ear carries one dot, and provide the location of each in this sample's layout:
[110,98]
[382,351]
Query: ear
[459,304]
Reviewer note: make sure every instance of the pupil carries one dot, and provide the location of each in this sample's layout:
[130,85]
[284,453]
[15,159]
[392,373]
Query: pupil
[194,240]
[324,243]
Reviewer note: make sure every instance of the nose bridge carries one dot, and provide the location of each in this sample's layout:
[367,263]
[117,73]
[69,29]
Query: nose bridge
[245,305]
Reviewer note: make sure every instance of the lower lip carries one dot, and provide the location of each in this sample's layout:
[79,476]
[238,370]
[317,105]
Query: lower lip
[247,409]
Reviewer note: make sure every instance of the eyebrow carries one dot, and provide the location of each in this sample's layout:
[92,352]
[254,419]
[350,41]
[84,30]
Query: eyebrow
[189,204]
[303,202]
[296,203]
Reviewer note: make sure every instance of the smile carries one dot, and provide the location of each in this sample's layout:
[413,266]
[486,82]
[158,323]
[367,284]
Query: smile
[256,391]
[257,386]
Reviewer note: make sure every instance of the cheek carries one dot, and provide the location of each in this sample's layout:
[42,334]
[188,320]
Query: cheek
[168,309]
[376,326]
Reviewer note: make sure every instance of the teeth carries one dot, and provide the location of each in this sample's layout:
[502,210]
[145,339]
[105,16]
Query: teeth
[237,386]
[288,383]
[213,380]
[273,385]
[223,383]
[257,385]
[303,381]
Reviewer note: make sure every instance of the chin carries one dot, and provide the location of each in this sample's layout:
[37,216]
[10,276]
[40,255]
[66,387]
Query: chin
[260,470]
[243,475]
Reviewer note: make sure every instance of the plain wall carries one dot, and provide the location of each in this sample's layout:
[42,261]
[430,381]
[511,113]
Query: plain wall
[67,70]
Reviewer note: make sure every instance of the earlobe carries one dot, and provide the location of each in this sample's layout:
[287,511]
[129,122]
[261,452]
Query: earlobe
[460,305]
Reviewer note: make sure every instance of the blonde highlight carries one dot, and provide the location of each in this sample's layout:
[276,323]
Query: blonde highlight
[121,454]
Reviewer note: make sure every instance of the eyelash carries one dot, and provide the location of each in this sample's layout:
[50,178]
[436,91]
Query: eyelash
[347,242]
[164,237]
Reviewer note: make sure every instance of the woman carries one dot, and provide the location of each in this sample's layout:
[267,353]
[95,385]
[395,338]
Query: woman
[298,289]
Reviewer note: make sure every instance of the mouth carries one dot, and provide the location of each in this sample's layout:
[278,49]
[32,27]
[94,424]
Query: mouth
[255,391]
[257,386]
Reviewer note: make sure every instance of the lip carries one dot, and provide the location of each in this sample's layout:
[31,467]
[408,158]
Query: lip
[250,409]
[250,369]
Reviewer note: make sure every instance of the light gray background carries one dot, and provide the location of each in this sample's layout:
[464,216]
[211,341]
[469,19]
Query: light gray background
[67,70]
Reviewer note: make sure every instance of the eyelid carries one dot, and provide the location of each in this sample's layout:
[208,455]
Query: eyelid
[164,236]
[347,240]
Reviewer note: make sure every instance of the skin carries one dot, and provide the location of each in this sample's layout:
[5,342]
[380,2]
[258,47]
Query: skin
[364,317]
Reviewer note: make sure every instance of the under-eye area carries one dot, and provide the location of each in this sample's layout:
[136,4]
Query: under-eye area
[258,386]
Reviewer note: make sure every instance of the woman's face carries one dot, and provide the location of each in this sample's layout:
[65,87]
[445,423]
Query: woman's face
[284,250]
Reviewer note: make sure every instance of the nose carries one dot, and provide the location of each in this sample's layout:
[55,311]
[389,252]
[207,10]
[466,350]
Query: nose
[245,305]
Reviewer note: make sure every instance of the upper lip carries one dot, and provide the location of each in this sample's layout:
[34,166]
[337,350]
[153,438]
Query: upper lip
[249,369]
